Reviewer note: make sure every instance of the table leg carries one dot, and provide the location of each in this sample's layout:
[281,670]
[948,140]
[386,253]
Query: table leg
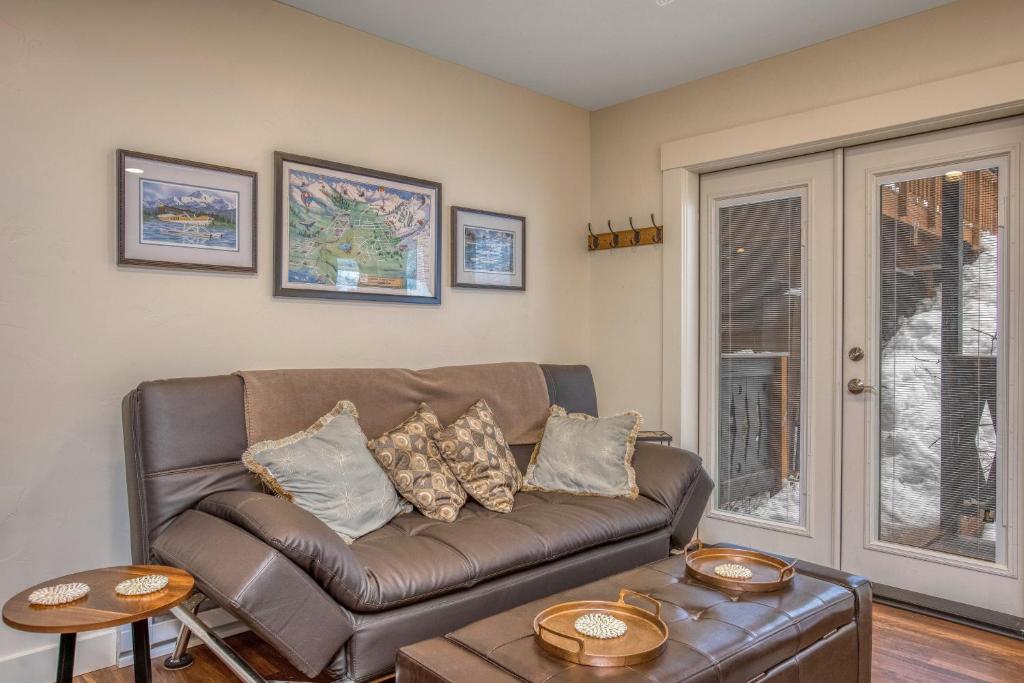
[140,651]
[66,657]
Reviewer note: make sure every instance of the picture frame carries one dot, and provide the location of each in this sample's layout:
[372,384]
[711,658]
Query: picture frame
[488,249]
[354,233]
[176,213]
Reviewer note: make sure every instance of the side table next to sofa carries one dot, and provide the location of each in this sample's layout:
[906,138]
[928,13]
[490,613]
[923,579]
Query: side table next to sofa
[100,608]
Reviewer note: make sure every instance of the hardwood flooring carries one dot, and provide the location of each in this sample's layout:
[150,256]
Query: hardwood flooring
[908,648]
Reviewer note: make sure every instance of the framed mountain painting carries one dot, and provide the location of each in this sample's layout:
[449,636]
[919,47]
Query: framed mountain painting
[174,213]
[345,232]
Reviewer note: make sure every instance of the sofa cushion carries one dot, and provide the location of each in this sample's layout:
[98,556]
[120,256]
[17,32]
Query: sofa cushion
[414,558]
[585,455]
[410,457]
[327,470]
[475,450]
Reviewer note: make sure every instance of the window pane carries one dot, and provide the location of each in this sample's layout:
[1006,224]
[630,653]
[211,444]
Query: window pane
[938,390]
[759,370]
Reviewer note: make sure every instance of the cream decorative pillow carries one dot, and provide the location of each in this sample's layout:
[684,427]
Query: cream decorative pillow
[585,455]
[411,459]
[475,449]
[328,471]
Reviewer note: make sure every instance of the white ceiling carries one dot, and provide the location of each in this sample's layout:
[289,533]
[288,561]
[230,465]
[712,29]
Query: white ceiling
[595,53]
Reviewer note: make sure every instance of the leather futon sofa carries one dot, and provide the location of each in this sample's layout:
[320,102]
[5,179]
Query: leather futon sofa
[346,609]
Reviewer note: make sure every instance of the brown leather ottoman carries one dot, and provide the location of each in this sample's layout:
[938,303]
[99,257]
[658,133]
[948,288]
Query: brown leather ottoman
[817,629]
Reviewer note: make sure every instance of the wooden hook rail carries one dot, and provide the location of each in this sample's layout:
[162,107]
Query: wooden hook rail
[631,237]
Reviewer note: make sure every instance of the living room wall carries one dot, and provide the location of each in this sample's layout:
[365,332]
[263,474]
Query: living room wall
[228,83]
[626,179]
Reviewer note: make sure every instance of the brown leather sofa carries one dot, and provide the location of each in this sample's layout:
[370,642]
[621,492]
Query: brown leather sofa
[347,609]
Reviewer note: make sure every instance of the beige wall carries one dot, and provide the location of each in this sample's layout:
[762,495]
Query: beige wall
[625,289]
[229,82]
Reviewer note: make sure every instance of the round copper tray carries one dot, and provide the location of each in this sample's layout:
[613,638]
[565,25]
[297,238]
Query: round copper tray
[769,573]
[645,637]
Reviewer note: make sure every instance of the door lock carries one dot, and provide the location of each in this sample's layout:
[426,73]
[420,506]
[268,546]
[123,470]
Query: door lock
[857,386]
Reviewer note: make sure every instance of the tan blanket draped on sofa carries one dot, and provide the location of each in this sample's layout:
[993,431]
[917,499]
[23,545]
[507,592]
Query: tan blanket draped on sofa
[281,402]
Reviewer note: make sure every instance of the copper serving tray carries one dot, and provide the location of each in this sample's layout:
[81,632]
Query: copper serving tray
[769,573]
[645,637]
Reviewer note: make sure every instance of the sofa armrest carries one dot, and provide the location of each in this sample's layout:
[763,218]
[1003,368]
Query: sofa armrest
[260,586]
[676,479]
[298,535]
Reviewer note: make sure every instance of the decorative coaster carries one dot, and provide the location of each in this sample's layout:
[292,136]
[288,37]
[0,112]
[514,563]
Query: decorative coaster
[731,570]
[599,625]
[142,585]
[59,594]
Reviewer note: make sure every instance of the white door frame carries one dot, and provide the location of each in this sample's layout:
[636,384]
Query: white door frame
[979,96]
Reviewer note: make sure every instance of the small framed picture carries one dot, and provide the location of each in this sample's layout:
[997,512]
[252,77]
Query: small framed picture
[174,213]
[346,232]
[488,249]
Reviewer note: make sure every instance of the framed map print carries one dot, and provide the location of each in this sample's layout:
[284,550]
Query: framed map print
[488,249]
[174,213]
[345,232]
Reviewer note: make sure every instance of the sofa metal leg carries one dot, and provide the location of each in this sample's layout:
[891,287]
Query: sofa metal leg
[181,659]
[231,659]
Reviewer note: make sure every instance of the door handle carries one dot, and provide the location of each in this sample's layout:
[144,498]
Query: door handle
[857,386]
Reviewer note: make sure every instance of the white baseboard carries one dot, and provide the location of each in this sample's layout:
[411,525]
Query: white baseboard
[101,649]
[95,650]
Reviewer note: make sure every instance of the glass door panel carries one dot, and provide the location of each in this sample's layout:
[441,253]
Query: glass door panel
[760,315]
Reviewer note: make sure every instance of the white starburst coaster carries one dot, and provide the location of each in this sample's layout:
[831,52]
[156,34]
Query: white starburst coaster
[731,570]
[599,625]
[142,585]
[59,594]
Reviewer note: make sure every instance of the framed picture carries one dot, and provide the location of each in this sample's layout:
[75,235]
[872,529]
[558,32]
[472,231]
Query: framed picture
[488,249]
[173,213]
[345,232]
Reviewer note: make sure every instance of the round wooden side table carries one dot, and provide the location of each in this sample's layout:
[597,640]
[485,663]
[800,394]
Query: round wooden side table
[101,608]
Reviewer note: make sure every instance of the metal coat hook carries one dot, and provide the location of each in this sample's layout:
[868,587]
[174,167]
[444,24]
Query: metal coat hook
[615,238]
[636,233]
[657,227]
[592,239]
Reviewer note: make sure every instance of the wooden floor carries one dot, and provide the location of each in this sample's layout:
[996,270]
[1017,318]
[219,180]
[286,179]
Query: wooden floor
[908,648]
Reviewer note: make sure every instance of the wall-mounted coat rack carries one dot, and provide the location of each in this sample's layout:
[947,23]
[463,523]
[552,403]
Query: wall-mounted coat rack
[615,239]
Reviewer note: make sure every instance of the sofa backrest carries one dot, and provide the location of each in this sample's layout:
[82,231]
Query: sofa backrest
[184,437]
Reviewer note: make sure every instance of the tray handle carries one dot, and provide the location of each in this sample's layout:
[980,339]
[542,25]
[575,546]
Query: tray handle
[789,569]
[580,644]
[623,592]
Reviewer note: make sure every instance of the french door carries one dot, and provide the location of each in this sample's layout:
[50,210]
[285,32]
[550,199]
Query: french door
[768,338]
[861,316]
[931,407]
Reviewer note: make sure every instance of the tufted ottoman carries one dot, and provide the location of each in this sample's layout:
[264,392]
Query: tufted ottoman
[817,629]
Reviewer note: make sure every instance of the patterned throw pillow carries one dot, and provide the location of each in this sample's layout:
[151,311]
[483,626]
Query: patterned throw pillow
[411,459]
[476,451]
[585,455]
[328,471]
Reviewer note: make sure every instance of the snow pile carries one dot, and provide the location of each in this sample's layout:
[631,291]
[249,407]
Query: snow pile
[910,397]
